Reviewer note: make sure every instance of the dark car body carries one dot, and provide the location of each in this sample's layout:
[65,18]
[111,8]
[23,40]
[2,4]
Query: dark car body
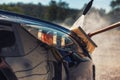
[21,58]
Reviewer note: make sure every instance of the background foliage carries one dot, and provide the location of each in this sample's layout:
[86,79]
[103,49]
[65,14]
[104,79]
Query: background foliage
[59,11]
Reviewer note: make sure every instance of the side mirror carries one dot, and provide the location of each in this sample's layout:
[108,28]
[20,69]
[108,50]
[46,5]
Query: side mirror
[7,39]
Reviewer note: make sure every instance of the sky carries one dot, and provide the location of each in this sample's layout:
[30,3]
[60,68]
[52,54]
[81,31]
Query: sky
[104,4]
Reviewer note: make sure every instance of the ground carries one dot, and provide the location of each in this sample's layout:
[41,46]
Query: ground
[107,55]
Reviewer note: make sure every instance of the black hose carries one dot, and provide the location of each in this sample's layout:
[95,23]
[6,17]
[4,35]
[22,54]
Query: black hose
[87,7]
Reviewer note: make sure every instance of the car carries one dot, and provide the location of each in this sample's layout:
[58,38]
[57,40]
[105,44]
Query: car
[33,49]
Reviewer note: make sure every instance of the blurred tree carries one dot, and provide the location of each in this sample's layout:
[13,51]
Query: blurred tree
[11,7]
[115,12]
[62,11]
[35,10]
[52,11]
[115,4]
[63,4]
[55,11]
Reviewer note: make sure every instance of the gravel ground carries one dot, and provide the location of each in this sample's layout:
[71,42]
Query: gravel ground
[107,55]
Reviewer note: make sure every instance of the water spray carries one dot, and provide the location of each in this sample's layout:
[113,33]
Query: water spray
[77,28]
[79,22]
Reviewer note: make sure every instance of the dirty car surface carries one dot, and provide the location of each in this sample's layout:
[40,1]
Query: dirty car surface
[40,50]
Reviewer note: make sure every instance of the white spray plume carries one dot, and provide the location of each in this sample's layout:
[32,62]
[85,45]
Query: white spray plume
[94,21]
[78,23]
[107,53]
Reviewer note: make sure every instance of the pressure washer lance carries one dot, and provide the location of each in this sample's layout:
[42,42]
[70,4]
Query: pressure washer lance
[104,29]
